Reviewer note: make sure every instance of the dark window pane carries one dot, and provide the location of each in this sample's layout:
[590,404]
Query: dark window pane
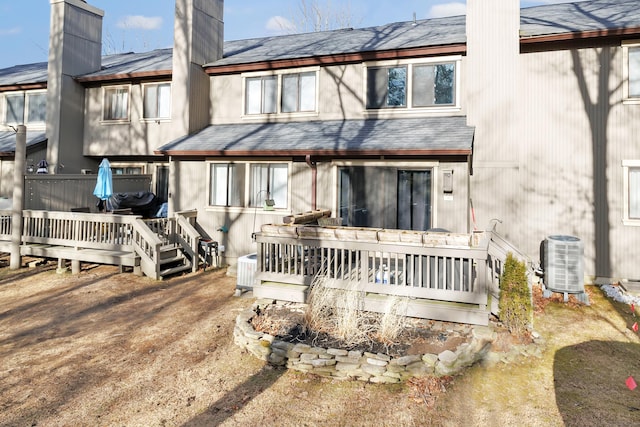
[376,87]
[634,71]
[37,107]
[397,95]
[444,84]
[14,109]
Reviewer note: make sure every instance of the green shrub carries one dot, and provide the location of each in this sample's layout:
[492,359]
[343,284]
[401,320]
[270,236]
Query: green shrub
[515,305]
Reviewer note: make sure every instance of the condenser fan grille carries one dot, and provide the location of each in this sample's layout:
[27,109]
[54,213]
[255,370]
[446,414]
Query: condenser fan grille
[564,264]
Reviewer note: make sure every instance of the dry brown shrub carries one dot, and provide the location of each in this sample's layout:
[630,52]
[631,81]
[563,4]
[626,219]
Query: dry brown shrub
[427,389]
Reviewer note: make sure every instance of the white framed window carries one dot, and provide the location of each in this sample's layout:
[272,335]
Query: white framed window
[157,101]
[14,108]
[227,184]
[413,84]
[387,87]
[631,71]
[25,108]
[127,169]
[248,184]
[269,181]
[298,92]
[116,103]
[293,91]
[631,188]
[261,95]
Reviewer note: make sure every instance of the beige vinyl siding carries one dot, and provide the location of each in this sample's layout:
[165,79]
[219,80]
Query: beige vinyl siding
[341,95]
[541,182]
[135,136]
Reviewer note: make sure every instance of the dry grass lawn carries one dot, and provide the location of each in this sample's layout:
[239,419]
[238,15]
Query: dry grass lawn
[105,349]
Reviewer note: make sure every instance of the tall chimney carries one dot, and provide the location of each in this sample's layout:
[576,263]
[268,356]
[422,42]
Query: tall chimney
[75,48]
[198,39]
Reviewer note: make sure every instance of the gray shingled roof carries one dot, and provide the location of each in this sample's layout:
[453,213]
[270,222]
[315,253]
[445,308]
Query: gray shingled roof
[24,74]
[8,140]
[399,35]
[535,21]
[579,17]
[126,63]
[427,135]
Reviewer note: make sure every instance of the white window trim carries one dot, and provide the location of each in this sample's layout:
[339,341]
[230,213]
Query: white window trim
[247,187]
[26,94]
[417,165]
[4,110]
[156,119]
[387,112]
[626,99]
[26,107]
[626,165]
[279,73]
[115,121]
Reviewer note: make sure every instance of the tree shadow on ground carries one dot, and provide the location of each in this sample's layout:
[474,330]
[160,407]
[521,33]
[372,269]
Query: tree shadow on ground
[234,400]
[590,383]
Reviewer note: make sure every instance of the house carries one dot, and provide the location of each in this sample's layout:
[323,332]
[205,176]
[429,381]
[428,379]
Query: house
[521,120]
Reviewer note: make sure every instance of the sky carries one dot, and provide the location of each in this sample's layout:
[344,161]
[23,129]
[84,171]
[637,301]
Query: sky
[143,25]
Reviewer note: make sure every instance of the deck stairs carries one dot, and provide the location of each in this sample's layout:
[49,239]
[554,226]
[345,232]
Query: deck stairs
[173,260]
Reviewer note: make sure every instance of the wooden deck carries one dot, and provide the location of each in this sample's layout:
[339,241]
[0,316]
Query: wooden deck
[155,247]
[442,276]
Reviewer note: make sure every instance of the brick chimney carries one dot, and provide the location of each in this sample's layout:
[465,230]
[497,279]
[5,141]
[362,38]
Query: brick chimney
[198,39]
[75,48]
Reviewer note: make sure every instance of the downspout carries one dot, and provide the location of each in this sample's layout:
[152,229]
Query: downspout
[314,181]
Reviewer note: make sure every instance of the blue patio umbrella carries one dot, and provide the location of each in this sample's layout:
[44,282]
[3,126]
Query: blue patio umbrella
[104,185]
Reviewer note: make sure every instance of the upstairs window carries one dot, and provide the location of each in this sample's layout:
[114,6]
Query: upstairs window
[634,72]
[36,107]
[433,85]
[387,87]
[298,92]
[14,109]
[21,107]
[261,95]
[157,101]
[116,103]
[413,85]
[281,93]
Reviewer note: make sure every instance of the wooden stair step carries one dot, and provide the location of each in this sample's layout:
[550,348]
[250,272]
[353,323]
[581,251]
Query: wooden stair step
[175,270]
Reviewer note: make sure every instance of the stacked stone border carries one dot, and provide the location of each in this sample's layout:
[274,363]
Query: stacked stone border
[362,366]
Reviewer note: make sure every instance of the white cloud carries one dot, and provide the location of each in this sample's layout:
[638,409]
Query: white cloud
[139,22]
[447,9]
[280,25]
[10,31]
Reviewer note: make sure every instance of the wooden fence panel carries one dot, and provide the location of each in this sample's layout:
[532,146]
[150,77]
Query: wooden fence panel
[65,192]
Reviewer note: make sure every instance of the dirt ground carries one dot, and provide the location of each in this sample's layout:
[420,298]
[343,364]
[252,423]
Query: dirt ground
[108,349]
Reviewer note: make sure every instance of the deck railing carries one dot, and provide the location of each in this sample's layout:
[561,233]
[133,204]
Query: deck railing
[85,230]
[126,233]
[433,266]
[445,276]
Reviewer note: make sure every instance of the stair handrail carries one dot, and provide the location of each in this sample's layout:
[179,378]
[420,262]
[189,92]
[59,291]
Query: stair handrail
[188,237]
[146,245]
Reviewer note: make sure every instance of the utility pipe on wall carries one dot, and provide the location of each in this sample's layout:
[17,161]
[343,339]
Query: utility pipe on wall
[314,181]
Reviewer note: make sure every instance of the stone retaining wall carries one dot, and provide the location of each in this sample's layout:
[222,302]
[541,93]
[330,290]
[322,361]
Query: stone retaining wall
[363,366]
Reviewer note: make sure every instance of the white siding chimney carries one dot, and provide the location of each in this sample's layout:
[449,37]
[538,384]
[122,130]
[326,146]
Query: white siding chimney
[75,48]
[491,76]
[491,70]
[198,39]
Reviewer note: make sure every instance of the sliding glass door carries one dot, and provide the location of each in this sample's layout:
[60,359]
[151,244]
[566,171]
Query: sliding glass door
[385,197]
